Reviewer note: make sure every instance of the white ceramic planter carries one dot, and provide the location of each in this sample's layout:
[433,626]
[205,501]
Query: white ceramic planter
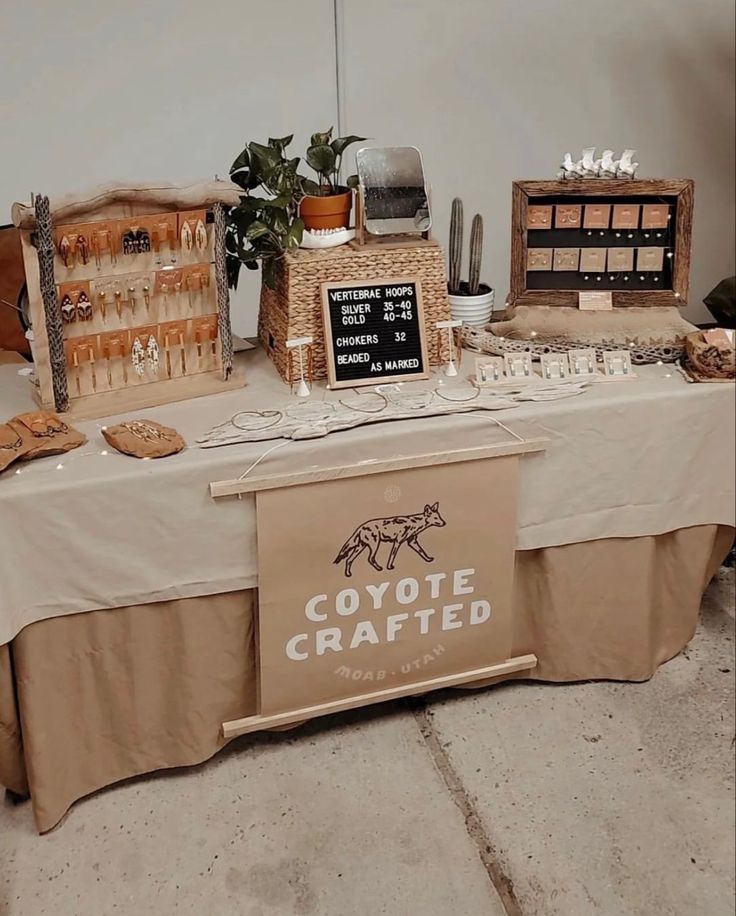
[474,310]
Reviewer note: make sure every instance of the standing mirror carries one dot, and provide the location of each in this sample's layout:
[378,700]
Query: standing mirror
[394,192]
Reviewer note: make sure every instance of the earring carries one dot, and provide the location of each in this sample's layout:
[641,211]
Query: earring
[200,235]
[65,251]
[147,296]
[101,296]
[84,307]
[131,298]
[83,249]
[152,354]
[138,357]
[68,311]
[187,239]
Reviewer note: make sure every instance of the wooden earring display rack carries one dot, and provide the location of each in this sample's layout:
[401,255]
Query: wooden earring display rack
[128,297]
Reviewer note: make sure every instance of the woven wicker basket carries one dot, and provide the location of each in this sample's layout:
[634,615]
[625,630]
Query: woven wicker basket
[708,361]
[294,307]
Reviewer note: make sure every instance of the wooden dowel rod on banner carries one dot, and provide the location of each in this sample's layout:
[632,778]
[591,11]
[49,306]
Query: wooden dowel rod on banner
[257,723]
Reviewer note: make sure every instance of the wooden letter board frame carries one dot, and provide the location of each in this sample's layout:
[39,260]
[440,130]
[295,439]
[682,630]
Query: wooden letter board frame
[678,193]
[422,373]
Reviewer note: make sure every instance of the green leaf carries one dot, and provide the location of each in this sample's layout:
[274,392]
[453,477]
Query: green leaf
[310,187]
[340,144]
[321,159]
[277,221]
[232,266]
[269,273]
[321,139]
[293,237]
[280,143]
[352,181]
[263,160]
[242,161]
[256,230]
[280,203]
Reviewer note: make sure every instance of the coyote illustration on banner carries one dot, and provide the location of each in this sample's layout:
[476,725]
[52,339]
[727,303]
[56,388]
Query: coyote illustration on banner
[396,530]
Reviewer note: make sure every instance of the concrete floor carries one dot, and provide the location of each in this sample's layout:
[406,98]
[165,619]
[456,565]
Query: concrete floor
[598,798]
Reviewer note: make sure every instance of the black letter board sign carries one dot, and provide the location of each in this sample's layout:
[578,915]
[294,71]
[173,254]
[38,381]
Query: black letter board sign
[374,332]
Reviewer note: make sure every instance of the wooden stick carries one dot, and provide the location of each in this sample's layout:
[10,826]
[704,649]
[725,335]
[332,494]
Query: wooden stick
[273,481]
[256,723]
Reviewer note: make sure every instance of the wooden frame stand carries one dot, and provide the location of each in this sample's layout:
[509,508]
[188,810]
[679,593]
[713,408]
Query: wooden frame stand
[363,237]
[627,237]
[128,300]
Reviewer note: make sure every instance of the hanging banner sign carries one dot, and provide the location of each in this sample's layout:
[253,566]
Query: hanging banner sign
[370,583]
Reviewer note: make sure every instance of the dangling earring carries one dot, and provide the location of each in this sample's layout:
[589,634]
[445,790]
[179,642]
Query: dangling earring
[187,240]
[65,250]
[83,249]
[68,311]
[138,357]
[152,354]
[84,307]
[200,235]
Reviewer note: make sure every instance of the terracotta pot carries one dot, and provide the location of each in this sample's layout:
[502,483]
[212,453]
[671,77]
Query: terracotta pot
[331,212]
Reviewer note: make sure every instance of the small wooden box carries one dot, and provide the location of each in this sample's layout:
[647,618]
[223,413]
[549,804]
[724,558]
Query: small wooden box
[294,307]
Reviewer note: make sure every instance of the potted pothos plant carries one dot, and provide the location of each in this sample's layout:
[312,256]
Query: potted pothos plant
[279,202]
[327,204]
[266,222]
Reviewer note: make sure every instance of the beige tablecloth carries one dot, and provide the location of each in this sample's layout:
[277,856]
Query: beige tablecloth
[106,695]
[625,459]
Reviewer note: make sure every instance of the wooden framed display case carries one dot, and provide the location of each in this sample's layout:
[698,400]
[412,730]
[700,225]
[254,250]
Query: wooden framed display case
[627,238]
[128,298]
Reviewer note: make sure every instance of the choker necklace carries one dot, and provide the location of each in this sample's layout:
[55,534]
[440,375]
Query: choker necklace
[264,419]
[363,409]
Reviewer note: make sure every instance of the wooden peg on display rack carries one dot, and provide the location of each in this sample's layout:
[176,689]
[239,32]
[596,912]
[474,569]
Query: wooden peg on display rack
[453,329]
[297,343]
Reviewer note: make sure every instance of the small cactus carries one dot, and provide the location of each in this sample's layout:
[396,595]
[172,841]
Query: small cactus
[456,245]
[476,255]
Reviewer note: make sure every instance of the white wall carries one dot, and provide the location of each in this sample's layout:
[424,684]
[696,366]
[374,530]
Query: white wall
[94,92]
[494,90]
[490,90]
